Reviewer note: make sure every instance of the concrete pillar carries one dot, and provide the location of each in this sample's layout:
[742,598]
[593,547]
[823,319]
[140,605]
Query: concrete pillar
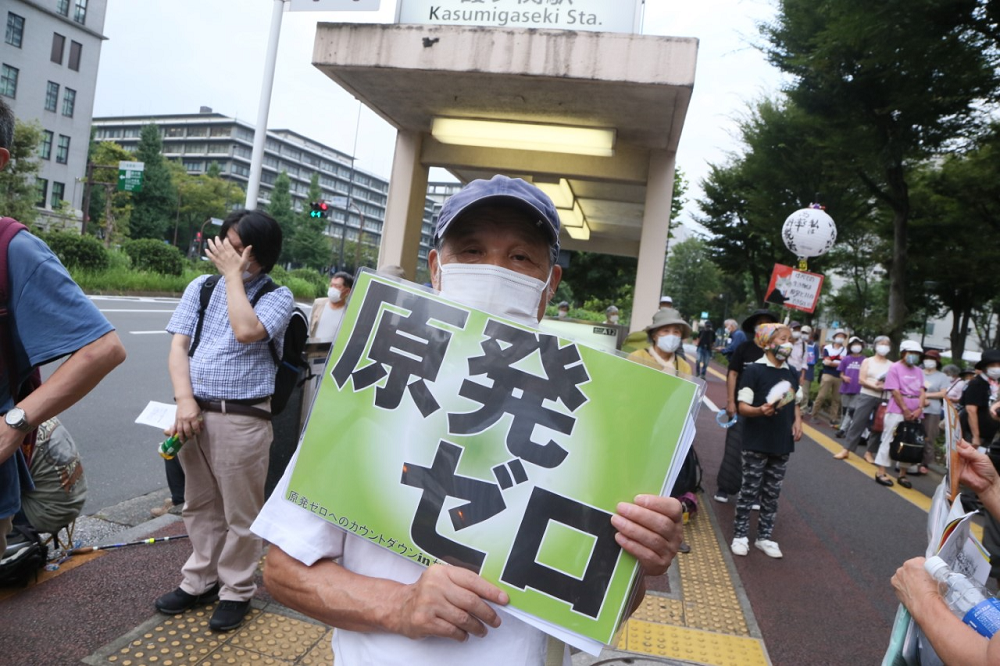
[404,209]
[653,243]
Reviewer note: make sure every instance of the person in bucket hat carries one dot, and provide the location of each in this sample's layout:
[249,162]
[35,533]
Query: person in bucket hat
[665,334]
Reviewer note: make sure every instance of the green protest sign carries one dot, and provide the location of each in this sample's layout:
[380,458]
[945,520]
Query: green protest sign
[445,434]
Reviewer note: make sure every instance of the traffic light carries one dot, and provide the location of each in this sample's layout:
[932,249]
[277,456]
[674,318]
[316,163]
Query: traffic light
[319,209]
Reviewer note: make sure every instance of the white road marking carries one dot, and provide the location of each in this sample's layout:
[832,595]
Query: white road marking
[163,311]
[148,332]
[711,405]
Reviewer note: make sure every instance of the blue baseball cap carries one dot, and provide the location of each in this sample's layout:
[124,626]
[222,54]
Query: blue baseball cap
[502,190]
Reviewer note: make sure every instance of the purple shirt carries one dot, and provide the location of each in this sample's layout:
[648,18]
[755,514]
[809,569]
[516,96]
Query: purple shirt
[909,381]
[850,366]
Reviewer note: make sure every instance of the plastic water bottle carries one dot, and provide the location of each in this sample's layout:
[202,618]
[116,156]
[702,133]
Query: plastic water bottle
[170,446]
[971,602]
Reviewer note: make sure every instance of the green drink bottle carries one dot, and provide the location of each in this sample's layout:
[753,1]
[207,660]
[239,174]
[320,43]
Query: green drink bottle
[169,448]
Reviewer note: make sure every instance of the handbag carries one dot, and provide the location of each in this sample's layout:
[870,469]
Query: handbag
[878,419]
[908,443]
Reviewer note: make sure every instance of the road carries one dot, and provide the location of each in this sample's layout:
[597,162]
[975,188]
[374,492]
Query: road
[119,457]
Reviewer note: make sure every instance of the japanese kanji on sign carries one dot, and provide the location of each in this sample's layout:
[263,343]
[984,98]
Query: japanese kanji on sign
[794,289]
[449,435]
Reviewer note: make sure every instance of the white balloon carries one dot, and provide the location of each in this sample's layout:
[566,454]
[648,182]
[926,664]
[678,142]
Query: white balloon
[809,232]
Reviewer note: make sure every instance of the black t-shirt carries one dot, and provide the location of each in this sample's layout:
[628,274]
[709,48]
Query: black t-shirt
[768,434]
[746,353]
[981,394]
[706,338]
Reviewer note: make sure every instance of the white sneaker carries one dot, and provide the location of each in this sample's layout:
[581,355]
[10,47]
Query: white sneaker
[755,507]
[769,547]
[740,546]
[721,497]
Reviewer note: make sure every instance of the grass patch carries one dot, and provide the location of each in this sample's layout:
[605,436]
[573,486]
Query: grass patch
[121,280]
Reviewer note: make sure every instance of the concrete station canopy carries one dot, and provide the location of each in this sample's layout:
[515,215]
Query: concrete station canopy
[639,85]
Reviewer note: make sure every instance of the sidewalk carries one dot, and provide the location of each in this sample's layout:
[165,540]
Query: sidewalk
[97,608]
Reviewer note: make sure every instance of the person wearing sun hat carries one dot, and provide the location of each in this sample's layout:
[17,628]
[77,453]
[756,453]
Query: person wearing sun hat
[850,385]
[729,477]
[665,334]
[768,405]
[905,384]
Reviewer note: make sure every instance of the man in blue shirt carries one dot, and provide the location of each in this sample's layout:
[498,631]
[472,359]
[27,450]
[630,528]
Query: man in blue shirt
[223,391]
[50,318]
[736,338]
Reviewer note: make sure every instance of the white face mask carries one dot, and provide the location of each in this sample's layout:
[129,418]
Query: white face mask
[839,342]
[993,373]
[856,349]
[494,289]
[334,294]
[613,319]
[668,343]
[796,335]
[882,350]
[247,276]
[930,364]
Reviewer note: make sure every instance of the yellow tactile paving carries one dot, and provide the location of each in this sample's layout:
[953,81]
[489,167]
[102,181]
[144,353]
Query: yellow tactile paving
[266,639]
[278,636]
[703,621]
[700,647]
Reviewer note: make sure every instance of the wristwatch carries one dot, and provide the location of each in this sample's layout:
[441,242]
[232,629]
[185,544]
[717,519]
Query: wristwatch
[17,419]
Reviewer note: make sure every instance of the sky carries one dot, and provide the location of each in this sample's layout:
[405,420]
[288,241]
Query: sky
[174,56]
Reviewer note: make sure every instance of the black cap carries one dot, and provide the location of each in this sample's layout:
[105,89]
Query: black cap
[989,356]
[756,319]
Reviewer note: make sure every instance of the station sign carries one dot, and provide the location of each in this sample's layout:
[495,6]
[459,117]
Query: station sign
[623,16]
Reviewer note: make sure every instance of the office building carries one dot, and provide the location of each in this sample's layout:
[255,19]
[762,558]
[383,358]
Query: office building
[48,73]
[198,140]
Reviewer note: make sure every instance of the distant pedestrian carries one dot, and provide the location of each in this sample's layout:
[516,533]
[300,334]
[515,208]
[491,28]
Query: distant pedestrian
[936,384]
[736,338]
[730,475]
[324,321]
[706,342]
[666,303]
[563,310]
[611,315]
[797,361]
[979,427]
[959,385]
[871,378]
[665,335]
[905,384]
[811,338]
[829,384]
[850,387]
[772,424]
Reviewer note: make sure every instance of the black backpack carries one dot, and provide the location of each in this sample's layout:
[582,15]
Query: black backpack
[290,363]
[25,556]
[689,478]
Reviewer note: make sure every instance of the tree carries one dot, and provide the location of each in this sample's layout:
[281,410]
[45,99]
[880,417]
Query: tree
[889,84]
[692,280]
[601,279]
[154,208]
[18,191]
[199,197]
[105,155]
[282,211]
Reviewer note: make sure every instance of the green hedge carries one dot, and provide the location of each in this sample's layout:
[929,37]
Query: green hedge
[76,251]
[155,256]
[317,279]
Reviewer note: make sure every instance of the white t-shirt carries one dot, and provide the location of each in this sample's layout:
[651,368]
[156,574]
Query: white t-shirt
[329,321]
[308,538]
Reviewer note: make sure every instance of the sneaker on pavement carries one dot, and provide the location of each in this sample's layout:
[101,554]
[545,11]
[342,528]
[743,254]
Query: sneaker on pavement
[769,547]
[178,601]
[740,546]
[228,615]
[721,497]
